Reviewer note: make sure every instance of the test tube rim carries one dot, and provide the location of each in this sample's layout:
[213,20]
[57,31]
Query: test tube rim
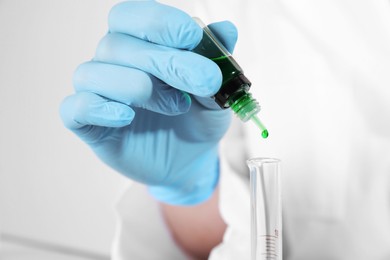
[263,160]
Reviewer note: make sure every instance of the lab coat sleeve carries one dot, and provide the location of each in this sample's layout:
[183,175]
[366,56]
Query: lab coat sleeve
[234,199]
[141,232]
[235,210]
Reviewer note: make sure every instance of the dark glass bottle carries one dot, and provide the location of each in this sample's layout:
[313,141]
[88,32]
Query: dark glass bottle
[234,92]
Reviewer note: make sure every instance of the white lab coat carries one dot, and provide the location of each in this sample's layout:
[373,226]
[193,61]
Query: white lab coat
[321,71]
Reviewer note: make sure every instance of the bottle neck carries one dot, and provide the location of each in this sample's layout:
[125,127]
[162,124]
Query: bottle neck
[244,105]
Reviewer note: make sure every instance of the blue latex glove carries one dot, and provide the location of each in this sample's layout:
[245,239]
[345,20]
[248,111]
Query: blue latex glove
[143,103]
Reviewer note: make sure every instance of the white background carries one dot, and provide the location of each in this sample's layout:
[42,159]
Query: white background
[52,187]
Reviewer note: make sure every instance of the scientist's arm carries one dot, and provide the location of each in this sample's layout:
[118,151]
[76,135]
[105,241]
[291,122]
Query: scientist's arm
[196,229]
[143,102]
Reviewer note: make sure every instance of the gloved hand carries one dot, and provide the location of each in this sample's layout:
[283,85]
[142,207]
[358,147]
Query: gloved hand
[143,103]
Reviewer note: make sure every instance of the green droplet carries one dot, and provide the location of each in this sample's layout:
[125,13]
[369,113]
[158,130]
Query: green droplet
[264,134]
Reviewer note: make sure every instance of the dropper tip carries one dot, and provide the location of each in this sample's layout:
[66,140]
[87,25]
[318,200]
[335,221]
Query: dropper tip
[264,131]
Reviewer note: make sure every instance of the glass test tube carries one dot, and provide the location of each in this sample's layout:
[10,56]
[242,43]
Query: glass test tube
[266,209]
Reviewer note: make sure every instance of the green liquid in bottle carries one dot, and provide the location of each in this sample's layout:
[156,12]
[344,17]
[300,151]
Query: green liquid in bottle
[229,68]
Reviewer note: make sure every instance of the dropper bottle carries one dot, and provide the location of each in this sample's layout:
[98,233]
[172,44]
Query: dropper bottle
[234,91]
